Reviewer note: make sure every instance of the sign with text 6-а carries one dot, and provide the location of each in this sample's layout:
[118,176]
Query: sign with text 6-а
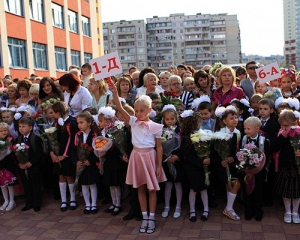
[268,73]
[106,66]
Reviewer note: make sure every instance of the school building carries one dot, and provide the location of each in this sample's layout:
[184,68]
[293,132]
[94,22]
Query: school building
[46,37]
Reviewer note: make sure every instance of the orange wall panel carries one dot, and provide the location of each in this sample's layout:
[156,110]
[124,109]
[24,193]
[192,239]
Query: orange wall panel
[72,5]
[41,73]
[87,45]
[59,74]
[38,32]
[19,73]
[1,72]
[85,8]
[74,41]
[16,27]
[60,2]
[59,37]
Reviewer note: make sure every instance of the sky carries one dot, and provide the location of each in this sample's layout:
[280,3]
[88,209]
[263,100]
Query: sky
[261,21]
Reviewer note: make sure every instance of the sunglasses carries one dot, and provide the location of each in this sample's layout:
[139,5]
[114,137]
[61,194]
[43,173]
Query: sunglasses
[253,68]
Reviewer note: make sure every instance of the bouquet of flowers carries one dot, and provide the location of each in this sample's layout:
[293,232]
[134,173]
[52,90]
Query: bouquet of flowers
[50,101]
[3,92]
[170,141]
[273,93]
[83,152]
[202,141]
[4,148]
[6,177]
[101,145]
[52,140]
[166,97]
[251,161]
[21,151]
[117,134]
[294,134]
[223,149]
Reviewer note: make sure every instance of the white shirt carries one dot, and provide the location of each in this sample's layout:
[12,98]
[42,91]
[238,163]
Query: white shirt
[231,133]
[142,91]
[141,137]
[85,136]
[81,100]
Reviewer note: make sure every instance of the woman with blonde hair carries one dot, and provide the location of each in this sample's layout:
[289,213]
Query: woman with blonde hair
[150,85]
[100,97]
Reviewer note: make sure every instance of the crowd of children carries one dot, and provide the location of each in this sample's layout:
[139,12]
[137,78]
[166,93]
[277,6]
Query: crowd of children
[28,154]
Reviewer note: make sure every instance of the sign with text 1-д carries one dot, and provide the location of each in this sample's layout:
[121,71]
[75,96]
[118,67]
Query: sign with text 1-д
[106,66]
[268,73]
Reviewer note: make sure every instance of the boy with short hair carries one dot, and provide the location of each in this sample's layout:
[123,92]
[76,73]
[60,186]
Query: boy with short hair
[208,123]
[31,181]
[270,127]
[253,200]
[87,73]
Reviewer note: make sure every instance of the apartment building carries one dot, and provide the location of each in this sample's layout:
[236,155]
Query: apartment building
[194,40]
[128,38]
[46,37]
[291,11]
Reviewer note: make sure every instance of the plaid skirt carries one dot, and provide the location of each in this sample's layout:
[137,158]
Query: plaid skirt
[287,184]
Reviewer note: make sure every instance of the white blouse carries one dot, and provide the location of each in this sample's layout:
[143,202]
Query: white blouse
[81,100]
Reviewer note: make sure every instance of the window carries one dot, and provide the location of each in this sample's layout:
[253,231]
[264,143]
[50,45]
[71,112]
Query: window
[139,36]
[72,17]
[14,6]
[75,58]
[87,57]
[60,58]
[17,53]
[39,56]
[57,15]
[85,26]
[113,45]
[140,44]
[112,31]
[140,50]
[105,30]
[36,10]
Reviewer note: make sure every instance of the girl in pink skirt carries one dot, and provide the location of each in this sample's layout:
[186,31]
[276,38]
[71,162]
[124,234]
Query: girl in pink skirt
[145,163]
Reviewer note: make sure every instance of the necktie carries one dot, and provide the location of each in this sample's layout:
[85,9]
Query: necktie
[25,139]
[263,123]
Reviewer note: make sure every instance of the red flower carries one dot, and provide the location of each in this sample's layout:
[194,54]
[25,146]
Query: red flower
[166,93]
[173,94]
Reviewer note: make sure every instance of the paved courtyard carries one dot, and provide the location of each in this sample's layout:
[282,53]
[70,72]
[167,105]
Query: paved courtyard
[51,223]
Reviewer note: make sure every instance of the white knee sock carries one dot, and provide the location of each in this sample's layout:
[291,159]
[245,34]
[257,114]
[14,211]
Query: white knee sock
[178,188]
[94,193]
[113,195]
[5,194]
[204,198]
[287,204]
[86,195]
[118,196]
[72,192]
[11,192]
[63,191]
[168,190]
[192,200]
[230,200]
[296,202]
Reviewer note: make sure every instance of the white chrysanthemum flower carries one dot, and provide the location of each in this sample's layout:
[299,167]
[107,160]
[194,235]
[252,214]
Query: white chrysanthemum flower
[50,130]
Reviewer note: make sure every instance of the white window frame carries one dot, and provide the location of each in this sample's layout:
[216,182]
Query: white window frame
[39,56]
[73,21]
[57,16]
[36,10]
[14,6]
[17,53]
[60,59]
[86,26]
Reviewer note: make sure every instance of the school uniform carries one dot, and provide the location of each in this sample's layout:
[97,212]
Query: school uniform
[253,202]
[32,184]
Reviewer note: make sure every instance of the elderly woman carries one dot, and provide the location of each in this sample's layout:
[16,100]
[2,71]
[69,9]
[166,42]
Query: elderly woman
[150,85]
[175,85]
[124,89]
[203,84]
[13,94]
[76,97]
[224,94]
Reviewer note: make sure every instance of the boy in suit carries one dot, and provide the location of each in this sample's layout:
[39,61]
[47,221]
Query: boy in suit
[270,127]
[31,181]
[253,200]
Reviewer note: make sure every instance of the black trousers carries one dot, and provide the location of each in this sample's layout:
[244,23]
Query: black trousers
[253,202]
[33,188]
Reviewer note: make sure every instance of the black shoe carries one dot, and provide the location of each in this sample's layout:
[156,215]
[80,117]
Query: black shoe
[94,210]
[193,218]
[73,207]
[129,216]
[114,212]
[204,217]
[139,217]
[109,210]
[26,208]
[63,209]
[248,217]
[87,210]
[37,209]
[106,201]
